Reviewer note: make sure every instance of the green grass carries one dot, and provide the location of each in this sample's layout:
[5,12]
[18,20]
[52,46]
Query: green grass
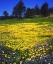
[26,20]
[35,49]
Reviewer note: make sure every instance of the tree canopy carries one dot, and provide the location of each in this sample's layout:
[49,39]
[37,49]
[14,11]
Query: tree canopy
[37,11]
[30,12]
[19,9]
[5,13]
[44,9]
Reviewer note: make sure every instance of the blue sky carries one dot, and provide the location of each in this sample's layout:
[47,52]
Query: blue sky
[7,5]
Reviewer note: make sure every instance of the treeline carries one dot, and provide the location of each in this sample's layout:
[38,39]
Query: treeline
[20,11]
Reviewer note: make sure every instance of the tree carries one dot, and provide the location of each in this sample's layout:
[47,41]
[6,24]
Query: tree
[37,11]
[19,9]
[51,10]
[44,9]
[5,13]
[29,12]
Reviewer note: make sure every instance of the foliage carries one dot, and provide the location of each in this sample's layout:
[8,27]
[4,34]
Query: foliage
[19,9]
[29,43]
[51,10]
[39,54]
[26,20]
[29,13]
[44,9]
[13,35]
[37,10]
[5,13]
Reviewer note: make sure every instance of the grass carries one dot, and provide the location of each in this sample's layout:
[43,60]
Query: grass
[26,20]
[18,33]
[31,39]
[42,53]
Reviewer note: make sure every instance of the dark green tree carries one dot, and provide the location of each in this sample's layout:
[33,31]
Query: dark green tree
[19,9]
[5,13]
[51,10]
[37,11]
[44,9]
[29,12]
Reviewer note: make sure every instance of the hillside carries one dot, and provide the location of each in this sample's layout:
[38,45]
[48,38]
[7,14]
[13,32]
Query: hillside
[28,39]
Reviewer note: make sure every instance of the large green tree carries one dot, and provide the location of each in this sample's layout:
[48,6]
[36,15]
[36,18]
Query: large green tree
[19,9]
[44,9]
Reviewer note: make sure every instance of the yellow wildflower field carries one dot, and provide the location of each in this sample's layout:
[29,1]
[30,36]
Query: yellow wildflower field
[25,35]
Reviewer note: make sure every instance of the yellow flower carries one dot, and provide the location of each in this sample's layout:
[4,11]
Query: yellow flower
[20,62]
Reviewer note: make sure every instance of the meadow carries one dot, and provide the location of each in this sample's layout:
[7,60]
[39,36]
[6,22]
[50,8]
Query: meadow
[26,41]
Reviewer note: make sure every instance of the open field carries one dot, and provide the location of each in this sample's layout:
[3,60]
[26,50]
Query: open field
[29,39]
[26,20]
[25,35]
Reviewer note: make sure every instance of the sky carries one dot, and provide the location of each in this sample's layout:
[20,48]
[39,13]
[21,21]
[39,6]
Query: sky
[7,5]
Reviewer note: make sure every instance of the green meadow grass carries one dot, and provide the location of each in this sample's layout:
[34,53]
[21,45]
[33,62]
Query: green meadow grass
[39,51]
[26,20]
